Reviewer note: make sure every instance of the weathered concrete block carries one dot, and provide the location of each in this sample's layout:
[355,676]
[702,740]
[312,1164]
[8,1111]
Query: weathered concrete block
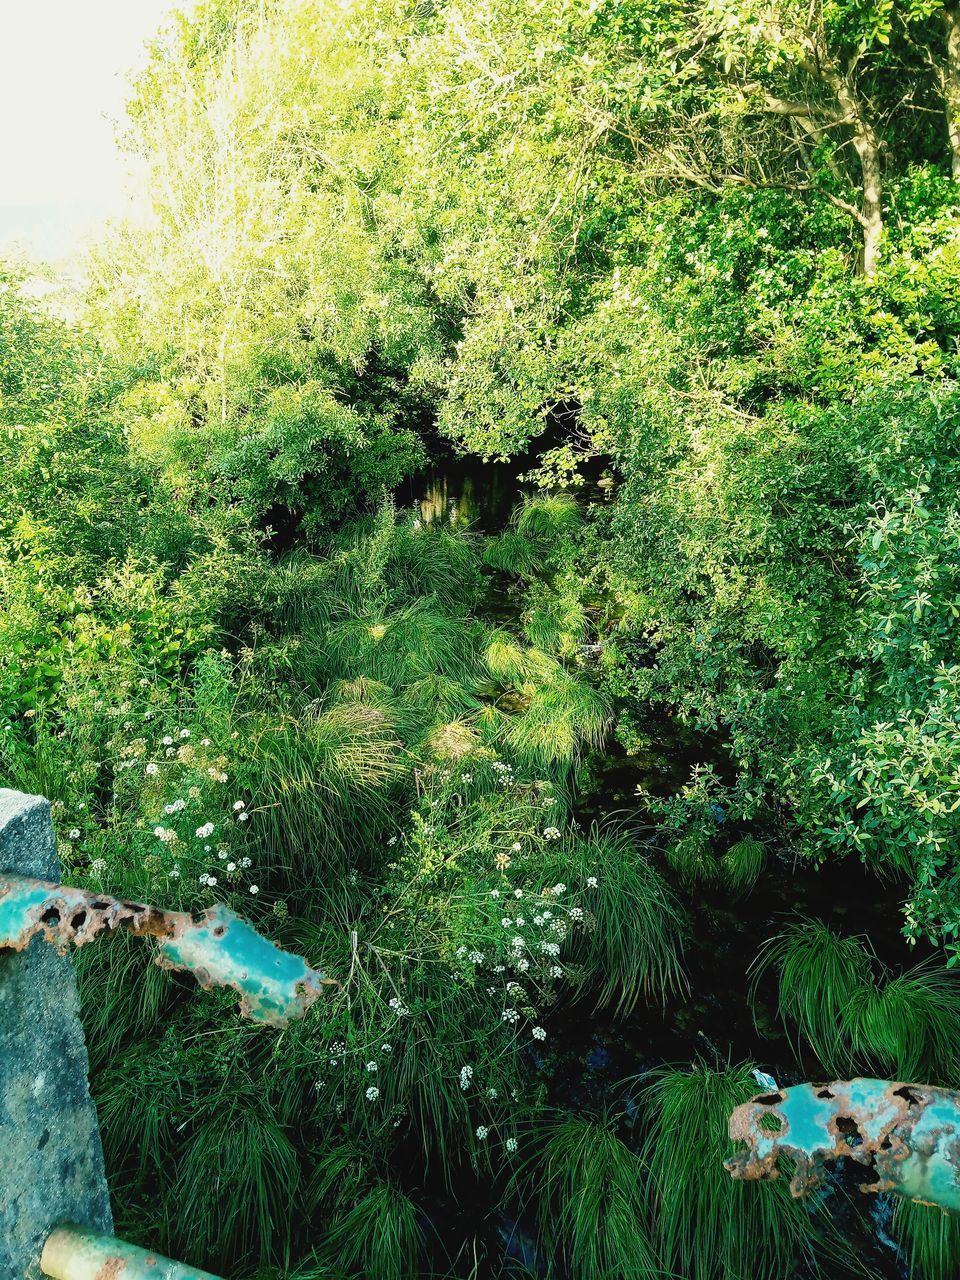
[51,1160]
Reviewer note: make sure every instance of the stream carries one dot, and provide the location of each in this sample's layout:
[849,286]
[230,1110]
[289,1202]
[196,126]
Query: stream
[597,1057]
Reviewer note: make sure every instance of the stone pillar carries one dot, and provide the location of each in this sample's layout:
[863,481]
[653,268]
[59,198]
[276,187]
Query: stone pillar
[51,1160]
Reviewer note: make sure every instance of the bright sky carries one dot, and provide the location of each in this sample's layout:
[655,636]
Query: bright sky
[64,68]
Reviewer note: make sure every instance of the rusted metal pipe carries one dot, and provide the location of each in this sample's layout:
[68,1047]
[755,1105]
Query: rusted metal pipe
[906,1135]
[73,1253]
[218,947]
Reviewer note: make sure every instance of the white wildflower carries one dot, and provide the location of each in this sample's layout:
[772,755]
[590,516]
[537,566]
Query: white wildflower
[373,1093]
[539,1033]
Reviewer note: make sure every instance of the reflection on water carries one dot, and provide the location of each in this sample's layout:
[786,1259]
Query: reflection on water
[465,492]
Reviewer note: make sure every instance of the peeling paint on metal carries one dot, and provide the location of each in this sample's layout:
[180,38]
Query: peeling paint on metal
[73,1253]
[218,947]
[907,1136]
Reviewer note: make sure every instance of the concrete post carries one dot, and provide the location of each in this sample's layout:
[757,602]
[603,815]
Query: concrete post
[51,1160]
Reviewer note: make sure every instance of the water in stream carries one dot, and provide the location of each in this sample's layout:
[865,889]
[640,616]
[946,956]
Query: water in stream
[596,1056]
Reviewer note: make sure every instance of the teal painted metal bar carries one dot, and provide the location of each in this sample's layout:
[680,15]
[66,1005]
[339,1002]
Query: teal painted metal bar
[907,1135]
[219,948]
[73,1253]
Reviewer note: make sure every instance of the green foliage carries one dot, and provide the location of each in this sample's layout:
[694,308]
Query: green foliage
[617,243]
[589,1185]
[820,974]
[855,1013]
[930,1239]
[707,1225]
[379,1235]
[637,927]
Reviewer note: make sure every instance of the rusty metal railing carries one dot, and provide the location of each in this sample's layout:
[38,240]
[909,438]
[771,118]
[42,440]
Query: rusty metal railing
[907,1137]
[55,1215]
[74,1253]
[219,948]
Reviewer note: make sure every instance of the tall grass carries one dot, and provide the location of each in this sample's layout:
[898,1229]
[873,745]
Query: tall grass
[820,976]
[634,942]
[857,1015]
[930,1240]
[378,1236]
[321,782]
[707,1226]
[909,1025]
[741,865]
[589,1190]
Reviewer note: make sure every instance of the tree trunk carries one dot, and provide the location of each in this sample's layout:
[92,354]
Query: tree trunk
[868,149]
[866,143]
[951,87]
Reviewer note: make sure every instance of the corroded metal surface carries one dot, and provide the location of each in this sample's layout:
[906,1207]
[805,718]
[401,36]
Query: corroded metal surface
[907,1136]
[72,1253]
[218,947]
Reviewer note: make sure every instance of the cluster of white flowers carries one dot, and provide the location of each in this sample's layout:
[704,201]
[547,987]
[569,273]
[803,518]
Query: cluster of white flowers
[254,889]
[207,879]
[386,1048]
[482,1131]
[206,830]
[373,1093]
[399,1008]
[176,806]
[98,866]
[575,913]
[539,1033]
[73,833]
[511,1145]
[550,948]
[152,770]
[166,834]
[591,882]
[466,1075]
[372,1066]
[238,805]
[511,1015]
[558,889]
[551,833]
